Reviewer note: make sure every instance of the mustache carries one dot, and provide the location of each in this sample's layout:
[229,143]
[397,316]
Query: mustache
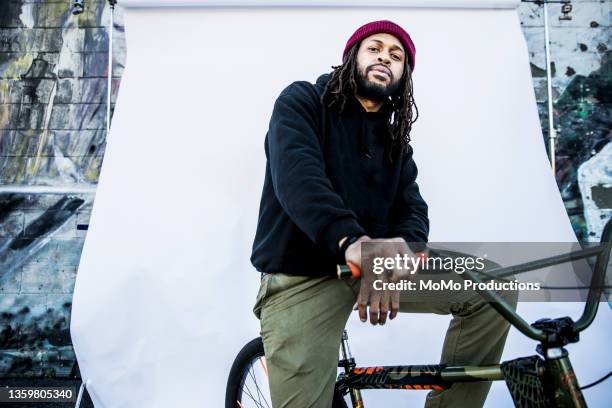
[387,70]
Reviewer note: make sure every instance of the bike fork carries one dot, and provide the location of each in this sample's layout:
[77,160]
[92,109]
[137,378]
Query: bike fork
[348,363]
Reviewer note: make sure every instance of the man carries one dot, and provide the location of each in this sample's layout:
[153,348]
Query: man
[340,173]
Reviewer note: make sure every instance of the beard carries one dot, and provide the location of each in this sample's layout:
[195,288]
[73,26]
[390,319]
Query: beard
[375,91]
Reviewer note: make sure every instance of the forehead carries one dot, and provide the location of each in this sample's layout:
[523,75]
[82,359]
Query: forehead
[387,40]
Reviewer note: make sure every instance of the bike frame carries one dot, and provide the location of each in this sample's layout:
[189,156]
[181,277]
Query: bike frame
[411,377]
[557,375]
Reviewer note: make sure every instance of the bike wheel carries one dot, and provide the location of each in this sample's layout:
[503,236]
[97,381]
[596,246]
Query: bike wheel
[247,385]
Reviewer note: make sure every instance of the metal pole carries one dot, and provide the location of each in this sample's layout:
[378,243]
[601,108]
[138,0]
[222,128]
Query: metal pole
[80,395]
[61,190]
[84,385]
[110,66]
[551,128]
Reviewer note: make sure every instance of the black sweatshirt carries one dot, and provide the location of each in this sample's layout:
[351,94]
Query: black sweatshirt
[328,176]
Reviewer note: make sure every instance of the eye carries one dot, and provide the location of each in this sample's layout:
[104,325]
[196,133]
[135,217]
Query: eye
[396,57]
[373,49]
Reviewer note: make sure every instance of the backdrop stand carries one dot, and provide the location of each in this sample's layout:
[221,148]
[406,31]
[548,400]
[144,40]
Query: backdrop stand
[81,392]
[552,132]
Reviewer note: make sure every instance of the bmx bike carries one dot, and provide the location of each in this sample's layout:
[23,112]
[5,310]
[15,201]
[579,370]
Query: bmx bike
[543,380]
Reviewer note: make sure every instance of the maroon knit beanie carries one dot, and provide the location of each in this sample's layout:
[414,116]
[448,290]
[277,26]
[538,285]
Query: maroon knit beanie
[382,26]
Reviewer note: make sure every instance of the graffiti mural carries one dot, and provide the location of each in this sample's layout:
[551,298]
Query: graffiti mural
[582,89]
[53,84]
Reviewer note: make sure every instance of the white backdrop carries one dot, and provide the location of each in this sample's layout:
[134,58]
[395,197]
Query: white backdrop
[165,288]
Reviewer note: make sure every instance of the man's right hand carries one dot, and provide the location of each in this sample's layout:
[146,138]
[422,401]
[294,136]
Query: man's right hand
[382,303]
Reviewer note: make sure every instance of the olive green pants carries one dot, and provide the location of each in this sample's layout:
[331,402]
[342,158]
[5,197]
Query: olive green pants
[302,320]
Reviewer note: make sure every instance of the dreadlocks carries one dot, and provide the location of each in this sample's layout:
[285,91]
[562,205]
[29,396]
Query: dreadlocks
[343,85]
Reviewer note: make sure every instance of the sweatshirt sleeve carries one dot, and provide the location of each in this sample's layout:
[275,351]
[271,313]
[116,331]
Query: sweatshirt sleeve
[298,173]
[411,221]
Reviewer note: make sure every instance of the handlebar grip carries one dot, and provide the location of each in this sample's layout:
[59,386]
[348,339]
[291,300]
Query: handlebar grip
[348,271]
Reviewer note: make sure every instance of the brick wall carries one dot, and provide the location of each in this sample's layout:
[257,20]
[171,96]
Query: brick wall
[53,85]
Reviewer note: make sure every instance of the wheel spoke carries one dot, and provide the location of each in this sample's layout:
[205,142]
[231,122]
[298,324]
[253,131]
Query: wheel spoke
[253,376]
[250,394]
[256,395]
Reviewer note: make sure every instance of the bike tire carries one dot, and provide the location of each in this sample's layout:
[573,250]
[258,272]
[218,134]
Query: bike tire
[248,355]
[241,372]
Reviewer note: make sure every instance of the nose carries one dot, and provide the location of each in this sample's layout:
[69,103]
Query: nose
[384,58]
